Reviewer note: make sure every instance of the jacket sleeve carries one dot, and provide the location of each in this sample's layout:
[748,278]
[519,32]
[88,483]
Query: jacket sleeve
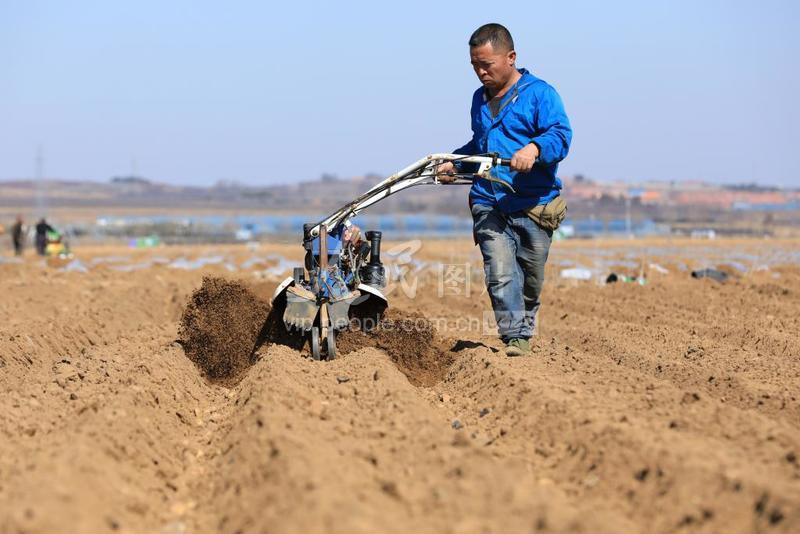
[553,131]
[471,148]
[468,149]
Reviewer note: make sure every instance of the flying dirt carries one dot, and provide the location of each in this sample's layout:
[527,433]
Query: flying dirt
[225,324]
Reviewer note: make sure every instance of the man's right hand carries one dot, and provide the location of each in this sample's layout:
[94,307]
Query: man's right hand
[445,171]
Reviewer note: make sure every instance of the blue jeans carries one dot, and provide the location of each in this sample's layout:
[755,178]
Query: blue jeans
[514,250]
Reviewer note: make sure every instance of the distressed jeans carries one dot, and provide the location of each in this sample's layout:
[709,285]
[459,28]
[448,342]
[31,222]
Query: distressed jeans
[514,250]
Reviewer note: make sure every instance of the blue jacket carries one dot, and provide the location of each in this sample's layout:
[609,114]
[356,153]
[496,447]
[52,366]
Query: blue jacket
[531,112]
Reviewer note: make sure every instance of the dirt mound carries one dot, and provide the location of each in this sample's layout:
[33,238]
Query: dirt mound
[771,290]
[411,342]
[221,327]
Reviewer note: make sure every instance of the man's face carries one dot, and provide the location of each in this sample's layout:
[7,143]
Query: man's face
[493,69]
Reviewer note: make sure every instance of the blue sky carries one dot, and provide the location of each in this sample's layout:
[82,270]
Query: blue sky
[197,92]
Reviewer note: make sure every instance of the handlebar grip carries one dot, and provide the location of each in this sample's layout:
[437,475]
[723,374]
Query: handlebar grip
[504,162]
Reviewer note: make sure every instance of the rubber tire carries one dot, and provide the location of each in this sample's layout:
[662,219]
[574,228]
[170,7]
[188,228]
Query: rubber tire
[316,354]
[331,344]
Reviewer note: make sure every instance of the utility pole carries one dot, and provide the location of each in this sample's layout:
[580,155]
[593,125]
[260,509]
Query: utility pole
[41,199]
[628,225]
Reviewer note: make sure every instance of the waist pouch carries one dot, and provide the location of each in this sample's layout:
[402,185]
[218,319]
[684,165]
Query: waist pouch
[549,216]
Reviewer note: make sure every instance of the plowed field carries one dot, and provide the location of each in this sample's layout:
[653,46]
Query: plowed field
[673,405]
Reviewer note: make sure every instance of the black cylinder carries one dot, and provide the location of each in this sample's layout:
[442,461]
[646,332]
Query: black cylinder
[374,238]
[307,240]
[373,275]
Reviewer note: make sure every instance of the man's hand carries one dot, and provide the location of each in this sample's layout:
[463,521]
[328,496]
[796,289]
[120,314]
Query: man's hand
[352,233]
[444,172]
[524,158]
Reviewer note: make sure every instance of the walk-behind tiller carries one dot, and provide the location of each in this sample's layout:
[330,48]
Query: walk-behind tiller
[343,274]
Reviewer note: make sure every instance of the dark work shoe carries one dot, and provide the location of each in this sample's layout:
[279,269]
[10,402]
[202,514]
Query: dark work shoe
[518,347]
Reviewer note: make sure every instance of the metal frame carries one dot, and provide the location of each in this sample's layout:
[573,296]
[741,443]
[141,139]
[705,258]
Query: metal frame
[422,172]
[414,174]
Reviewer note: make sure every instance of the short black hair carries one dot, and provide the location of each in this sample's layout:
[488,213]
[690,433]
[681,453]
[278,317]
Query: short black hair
[496,34]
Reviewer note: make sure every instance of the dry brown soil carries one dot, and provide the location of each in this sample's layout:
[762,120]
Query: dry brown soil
[672,406]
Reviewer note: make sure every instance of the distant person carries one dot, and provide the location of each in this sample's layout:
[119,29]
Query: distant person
[520,117]
[41,236]
[16,236]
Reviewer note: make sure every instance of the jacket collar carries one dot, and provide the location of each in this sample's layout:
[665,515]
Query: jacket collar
[510,97]
[525,80]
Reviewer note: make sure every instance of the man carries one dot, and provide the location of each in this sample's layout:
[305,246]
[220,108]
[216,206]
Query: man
[518,116]
[42,228]
[16,235]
